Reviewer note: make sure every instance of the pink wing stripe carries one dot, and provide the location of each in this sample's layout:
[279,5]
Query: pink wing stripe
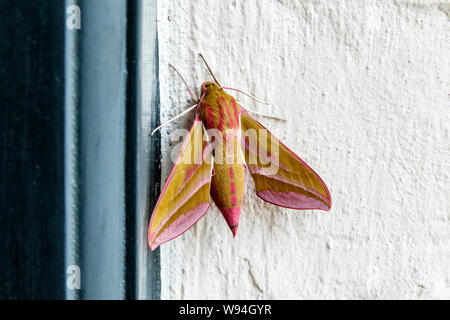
[186,216]
[198,187]
[267,158]
[189,219]
[259,171]
[172,172]
[298,158]
[210,121]
[221,116]
[189,173]
[230,117]
[236,113]
[292,200]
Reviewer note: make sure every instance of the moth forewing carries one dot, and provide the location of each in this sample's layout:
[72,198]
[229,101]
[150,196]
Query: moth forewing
[268,153]
[249,142]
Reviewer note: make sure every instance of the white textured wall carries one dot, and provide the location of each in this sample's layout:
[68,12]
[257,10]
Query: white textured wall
[365,86]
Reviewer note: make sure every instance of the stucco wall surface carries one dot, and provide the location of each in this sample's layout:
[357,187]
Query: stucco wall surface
[365,88]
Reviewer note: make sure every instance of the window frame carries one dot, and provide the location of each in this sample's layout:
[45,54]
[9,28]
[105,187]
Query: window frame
[78,169]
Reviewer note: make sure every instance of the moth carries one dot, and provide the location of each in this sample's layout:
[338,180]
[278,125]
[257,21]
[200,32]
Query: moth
[214,169]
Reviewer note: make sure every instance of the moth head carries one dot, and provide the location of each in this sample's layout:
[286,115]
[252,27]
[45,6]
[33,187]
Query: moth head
[209,86]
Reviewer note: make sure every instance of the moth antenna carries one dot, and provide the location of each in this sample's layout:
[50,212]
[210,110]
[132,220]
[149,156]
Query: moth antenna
[265,115]
[209,69]
[193,95]
[174,118]
[247,94]
[178,116]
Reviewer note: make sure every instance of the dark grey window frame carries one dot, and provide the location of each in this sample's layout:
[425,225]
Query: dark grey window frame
[78,173]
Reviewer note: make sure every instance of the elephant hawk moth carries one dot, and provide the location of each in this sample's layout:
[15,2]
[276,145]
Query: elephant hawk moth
[209,170]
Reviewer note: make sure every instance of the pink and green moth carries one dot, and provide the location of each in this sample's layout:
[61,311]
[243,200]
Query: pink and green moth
[191,185]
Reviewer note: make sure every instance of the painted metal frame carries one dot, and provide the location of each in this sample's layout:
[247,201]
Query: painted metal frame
[77,168]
